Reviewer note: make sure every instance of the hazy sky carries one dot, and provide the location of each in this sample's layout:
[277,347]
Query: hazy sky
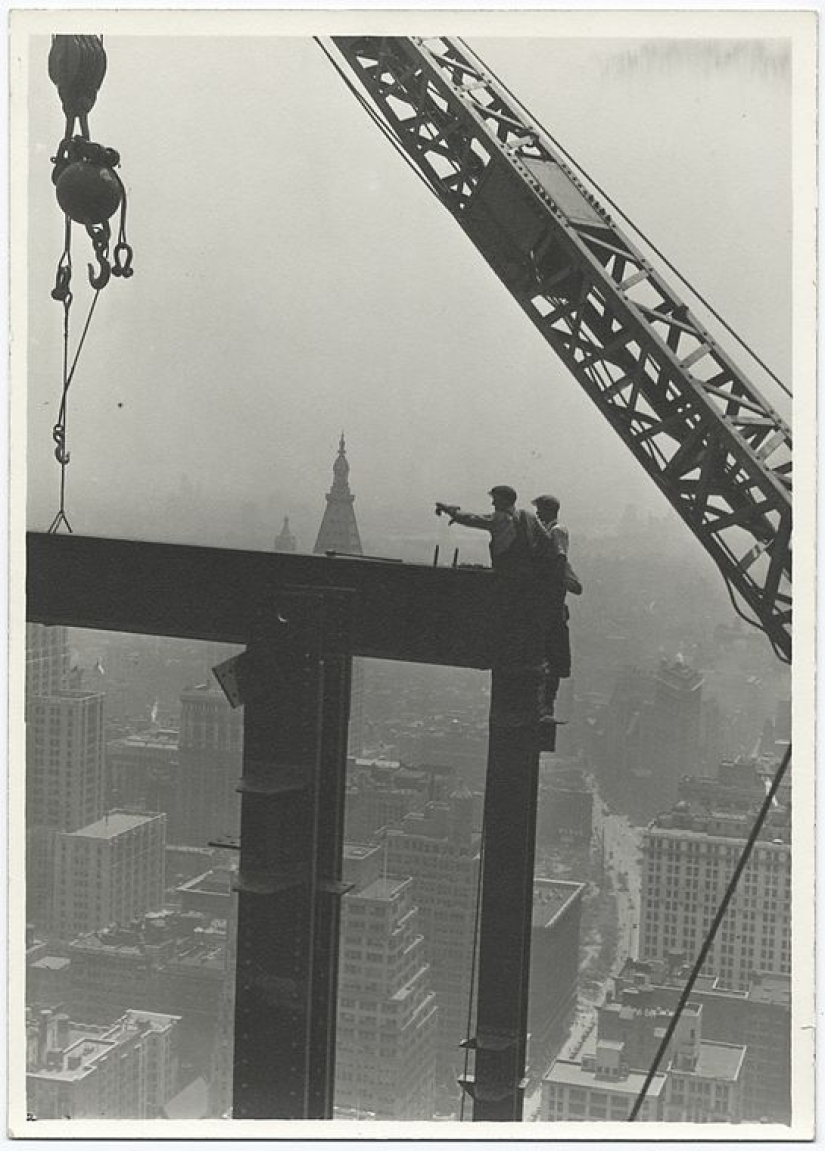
[293,278]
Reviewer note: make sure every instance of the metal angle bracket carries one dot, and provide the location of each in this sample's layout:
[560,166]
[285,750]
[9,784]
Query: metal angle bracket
[491,1041]
[249,675]
[225,842]
[467,1083]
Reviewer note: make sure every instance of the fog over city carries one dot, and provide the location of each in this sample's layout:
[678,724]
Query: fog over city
[293,278]
[311,354]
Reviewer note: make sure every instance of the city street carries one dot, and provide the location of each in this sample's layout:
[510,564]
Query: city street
[621,843]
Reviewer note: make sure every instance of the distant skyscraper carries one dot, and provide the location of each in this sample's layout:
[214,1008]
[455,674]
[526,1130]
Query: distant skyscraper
[141,770]
[438,848]
[285,541]
[554,965]
[339,533]
[209,768]
[386,1041]
[64,773]
[671,743]
[688,859]
[64,746]
[47,659]
[652,736]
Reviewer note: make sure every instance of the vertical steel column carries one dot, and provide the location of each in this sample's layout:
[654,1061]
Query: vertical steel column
[497,1085]
[337,685]
[294,764]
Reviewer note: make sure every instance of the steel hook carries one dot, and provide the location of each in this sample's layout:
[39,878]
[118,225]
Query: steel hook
[59,437]
[102,278]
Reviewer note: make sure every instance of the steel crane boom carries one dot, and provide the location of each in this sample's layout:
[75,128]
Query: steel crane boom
[713,445]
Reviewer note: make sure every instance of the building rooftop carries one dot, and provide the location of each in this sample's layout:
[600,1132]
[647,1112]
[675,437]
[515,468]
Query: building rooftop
[161,740]
[87,1043]
[719,1060]
[685,820]
[570,1073]
[115,823]
[671,973]
[69,693]
[52,963]
[771,988]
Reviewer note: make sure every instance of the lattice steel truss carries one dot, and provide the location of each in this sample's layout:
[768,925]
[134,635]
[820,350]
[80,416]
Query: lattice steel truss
[712,444]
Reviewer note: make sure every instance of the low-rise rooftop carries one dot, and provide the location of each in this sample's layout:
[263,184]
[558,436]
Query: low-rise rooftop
[719,1060]
[571,1074]
[115,823]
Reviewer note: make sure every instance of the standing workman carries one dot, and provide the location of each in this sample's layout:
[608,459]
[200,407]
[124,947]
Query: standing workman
[556,615]
[517,538]
[527,564]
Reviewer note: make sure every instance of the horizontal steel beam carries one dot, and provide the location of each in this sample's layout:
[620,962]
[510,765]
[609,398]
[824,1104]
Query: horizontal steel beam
[402,611]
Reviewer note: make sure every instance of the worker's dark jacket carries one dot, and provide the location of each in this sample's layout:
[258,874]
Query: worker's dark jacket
[531,587]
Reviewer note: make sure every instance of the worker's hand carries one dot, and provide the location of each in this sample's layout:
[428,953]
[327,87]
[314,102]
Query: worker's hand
[446,509]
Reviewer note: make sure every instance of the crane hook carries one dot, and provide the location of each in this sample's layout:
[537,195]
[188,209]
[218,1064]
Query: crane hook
[100,278]
[100,234]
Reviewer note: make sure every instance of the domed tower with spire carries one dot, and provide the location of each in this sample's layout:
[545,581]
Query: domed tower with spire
[339,531]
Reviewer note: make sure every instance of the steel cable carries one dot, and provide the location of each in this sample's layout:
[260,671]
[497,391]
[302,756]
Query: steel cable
[471,993]
[770,795]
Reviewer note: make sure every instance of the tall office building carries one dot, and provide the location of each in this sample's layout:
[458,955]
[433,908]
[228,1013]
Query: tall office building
[439,848]
[64,759]
[672,738]
[64,774]
[47,659]
[142,769]
[688,858]
[386,1033]
[651,735]
[554,965]
[380,793]
[565,805]
[124,1070]
[339,533]
[210,750]
[108,872]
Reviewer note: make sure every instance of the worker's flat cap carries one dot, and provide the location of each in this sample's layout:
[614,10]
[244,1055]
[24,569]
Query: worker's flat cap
[539,500]
[504,490]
